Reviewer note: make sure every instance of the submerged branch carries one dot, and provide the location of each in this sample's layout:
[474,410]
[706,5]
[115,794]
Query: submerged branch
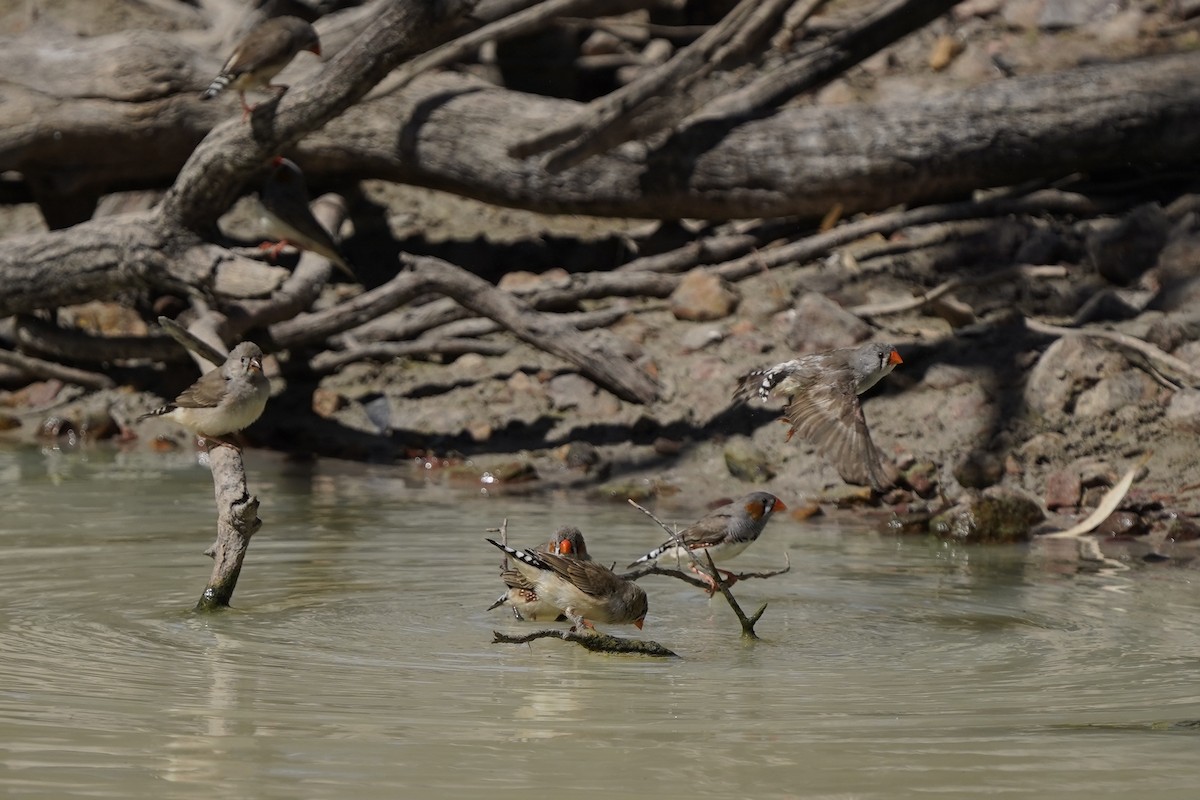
[596,642]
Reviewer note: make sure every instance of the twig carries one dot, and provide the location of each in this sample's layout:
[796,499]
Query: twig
[1026,272]
[1164,360]
[49,339]
[386,351]
[886,25]
[1108,504]
[192,342]
[654,569]
[596,642]
[710,569]
[820,244]
[642,106]
[41,368]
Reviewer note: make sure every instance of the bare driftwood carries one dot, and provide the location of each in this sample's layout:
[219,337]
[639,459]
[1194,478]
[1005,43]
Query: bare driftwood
[612,119]
[41,368]
[544,331]
[640,572]
[801,160]
[1178,368]
[237,521]
[596,642]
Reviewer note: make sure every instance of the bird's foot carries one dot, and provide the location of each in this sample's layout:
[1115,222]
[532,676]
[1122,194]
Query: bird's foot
[207,442]
[273,249]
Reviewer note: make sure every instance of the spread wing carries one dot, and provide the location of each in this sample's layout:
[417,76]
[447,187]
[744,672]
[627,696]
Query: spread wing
[204,393]
[828,416]
[515,580]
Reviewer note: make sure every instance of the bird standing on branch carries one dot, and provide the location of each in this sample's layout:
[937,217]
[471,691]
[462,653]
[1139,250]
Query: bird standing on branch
[522,595]
[288,218]
[583,589]
[261,55]
[723,533]
[224,400]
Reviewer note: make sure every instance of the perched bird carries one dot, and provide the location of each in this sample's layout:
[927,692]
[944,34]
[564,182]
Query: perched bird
[522,596]
[223,400]
[723,533]
[261,55]
[822,391]
[287,217]
[583,589]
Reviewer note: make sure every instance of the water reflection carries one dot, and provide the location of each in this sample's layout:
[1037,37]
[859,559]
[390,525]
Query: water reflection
[358,655]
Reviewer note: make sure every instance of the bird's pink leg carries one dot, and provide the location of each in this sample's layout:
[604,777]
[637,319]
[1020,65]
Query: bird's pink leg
[274,248]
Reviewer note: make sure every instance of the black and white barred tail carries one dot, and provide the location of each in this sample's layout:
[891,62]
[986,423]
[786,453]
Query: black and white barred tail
[760,382]
[219,84]
[529,557]
[158,412]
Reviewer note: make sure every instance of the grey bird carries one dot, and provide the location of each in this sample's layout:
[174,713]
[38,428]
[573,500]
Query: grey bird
[288,219]
[521,595]
[723,534]
[261,55]
[583,589]
[224,400]
[822,392]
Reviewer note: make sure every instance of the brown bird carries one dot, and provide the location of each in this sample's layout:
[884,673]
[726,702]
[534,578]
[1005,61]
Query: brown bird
[583,589]
[224,400]
[287,217]
[822,391]
[261,55]
[723,533]
[522,596]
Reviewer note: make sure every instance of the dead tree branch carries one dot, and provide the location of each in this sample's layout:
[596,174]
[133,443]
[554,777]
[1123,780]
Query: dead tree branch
[596,642]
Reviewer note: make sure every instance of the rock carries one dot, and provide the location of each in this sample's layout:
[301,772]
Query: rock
[820,324]
[104,319]
[510,472]
[695,339]
[326,402]
[702,296]
[569,390]
[921,477]
[479,431]
[1063,489]
[1111,394]
[1183,412]
[997,517]
[1059,14]
[1121,250]
[519,281]
[1065,369]
[945,50]
[944,376]
[847,496]
[1182,529]
[979,469]
[805,510]
[746,462]
[1044,448]
[580,455]
[637,491]
[1123,523]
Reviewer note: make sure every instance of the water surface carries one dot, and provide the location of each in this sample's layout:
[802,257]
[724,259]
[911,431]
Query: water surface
[357,659]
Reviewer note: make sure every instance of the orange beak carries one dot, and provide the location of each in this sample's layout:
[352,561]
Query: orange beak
[564,548]
[780,505]
[895,358]
[315,50]
[638,622]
